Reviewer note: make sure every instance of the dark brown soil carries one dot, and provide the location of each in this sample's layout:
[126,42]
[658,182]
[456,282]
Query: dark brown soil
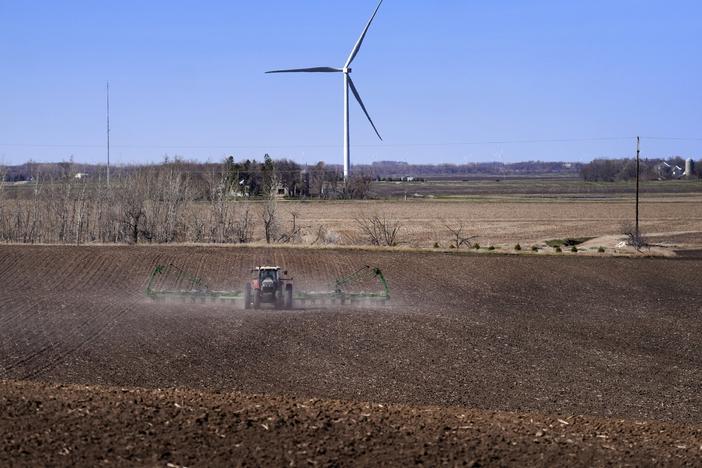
[88,426]
[697,253]
[609,338]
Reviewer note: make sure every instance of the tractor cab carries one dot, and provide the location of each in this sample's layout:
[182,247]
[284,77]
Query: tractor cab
[268,278]
[268,273]
[268,285]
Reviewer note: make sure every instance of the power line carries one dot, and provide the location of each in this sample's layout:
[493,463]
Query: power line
[385,145]
[457,143]
[670,138]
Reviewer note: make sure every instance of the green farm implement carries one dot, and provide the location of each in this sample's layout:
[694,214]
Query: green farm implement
[269,285]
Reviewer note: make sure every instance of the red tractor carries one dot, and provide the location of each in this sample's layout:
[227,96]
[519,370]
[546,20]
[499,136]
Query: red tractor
[268,286]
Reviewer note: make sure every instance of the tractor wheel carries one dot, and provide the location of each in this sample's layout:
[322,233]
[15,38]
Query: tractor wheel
[257,299]
[288,296]
[247,296]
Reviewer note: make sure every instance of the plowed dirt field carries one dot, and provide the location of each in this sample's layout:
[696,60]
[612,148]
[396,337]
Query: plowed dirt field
[609,346]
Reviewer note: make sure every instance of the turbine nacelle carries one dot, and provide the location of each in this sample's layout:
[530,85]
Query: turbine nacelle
[346,70]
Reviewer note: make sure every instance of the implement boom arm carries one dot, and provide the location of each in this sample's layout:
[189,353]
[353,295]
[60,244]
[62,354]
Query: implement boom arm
[361,274]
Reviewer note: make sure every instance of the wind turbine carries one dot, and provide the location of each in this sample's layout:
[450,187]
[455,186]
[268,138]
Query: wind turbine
[348,84]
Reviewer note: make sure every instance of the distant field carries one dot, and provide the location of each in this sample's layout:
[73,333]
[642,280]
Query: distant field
[531,186]
[542,186]
[501,213]
[511,221]
[506,211]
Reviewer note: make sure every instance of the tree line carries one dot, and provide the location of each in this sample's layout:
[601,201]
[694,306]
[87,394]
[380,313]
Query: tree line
[175,201]
[243,178]
[614,170]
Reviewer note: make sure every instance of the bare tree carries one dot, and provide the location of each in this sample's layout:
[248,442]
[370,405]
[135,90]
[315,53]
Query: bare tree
[289,176]
[325,236]
[177,196]
[31,223]
[317,179]
[80,220]
[221,222]
[357,187]
[59,194]
[245,224]
[3,173]
[269,177]
[142,204]
[379,230]
[269,217]
[458,236]
[131,199]
[167,196]
[3,208]
[295,233]
[634,237]
[107,223]
[324,181]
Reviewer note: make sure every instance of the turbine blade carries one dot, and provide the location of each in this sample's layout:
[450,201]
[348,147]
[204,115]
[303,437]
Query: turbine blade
[358,98]
[309,70]
[357,47]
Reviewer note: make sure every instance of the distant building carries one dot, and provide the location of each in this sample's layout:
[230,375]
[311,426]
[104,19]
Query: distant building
[280,191]
[663,170]
[80,175]
[241,191]
[669,171]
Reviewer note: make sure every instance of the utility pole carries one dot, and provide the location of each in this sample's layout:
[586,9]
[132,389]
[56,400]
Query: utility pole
[108,134]
[637,232]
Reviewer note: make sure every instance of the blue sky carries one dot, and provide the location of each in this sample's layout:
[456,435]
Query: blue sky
[445,81]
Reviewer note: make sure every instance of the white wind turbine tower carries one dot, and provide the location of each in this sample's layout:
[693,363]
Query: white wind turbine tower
[348,84]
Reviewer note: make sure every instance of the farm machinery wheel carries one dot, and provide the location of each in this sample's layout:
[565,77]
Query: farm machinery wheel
[288,296]
[257,299]
[247,296]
